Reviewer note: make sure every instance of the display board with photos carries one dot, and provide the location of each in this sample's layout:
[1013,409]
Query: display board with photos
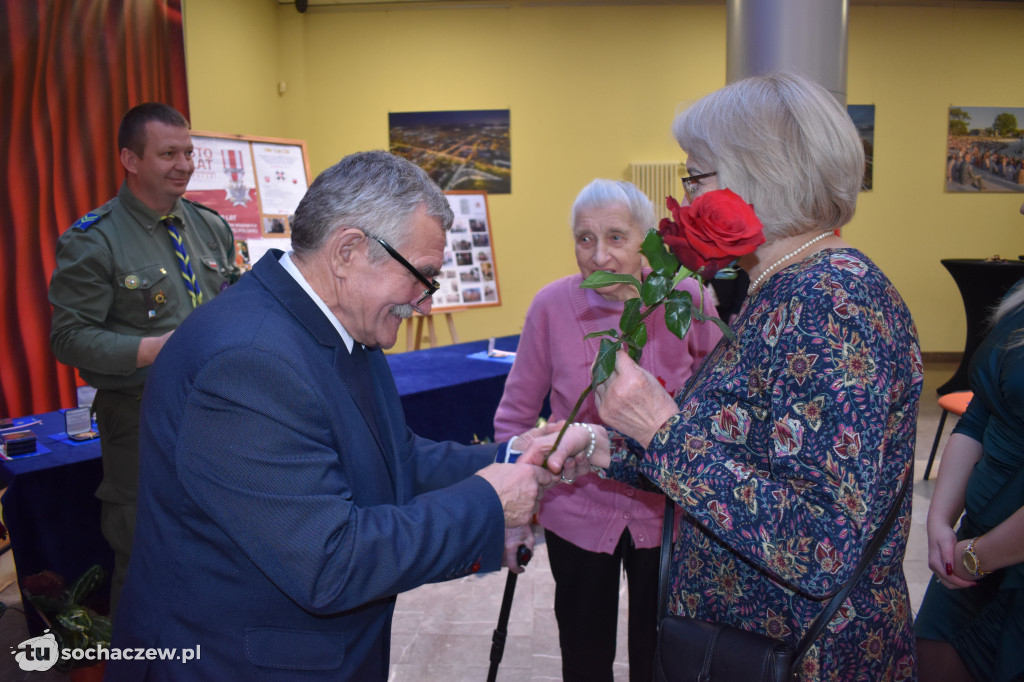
[469,277]
[255,183]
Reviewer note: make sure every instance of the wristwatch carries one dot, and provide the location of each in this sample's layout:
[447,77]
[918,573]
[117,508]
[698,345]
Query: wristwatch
[970,560]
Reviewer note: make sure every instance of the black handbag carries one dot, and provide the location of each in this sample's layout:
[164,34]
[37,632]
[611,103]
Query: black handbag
[692,650]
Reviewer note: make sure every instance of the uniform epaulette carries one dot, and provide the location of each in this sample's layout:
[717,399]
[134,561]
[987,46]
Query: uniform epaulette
[202,206]
[91,218]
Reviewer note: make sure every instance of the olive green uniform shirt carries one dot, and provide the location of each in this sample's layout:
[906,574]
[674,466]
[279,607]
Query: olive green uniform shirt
[118,279]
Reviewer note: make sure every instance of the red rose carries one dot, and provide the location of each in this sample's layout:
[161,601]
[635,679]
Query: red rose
[712,232]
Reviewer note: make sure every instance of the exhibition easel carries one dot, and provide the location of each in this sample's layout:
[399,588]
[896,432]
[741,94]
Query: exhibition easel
[414,344]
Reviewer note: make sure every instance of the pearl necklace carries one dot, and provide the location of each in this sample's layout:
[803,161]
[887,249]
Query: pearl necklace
[785,258]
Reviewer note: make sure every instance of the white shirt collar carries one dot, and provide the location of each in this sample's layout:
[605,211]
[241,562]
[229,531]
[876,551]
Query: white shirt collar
[289,266]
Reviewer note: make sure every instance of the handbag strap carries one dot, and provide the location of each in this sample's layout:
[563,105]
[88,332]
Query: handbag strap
[667,526]
[822,619]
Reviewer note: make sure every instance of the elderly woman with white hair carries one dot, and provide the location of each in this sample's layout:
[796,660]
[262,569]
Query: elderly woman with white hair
[793,440]
[595,528]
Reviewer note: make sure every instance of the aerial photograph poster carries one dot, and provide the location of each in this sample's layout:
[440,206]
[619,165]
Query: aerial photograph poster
[460,150]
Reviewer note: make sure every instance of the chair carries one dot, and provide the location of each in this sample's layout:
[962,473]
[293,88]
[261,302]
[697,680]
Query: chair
[956,403]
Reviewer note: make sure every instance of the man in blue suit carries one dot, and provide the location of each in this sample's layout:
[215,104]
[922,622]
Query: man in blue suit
[283,501]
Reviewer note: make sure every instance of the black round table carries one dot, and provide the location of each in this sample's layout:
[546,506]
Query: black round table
[982,285]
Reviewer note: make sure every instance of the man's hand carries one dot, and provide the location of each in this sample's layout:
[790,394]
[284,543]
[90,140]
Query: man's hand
[514,537]
[519,487]
[149,347]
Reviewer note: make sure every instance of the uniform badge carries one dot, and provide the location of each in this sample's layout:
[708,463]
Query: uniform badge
[131,282]
[159,297]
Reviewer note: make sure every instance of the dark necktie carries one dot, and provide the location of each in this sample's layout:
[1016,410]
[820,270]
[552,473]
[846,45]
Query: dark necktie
[183,261]
[361,383]
[358,375]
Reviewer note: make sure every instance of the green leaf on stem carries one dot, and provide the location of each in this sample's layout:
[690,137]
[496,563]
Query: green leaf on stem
[726,332]
[604,364]
[636,341]
[630,316]
[599,279]
[658,257]
[679,312]
[685,296]
[655,288]
[614,333]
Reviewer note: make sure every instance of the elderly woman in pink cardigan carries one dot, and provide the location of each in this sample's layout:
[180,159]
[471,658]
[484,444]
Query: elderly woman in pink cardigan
[596,527]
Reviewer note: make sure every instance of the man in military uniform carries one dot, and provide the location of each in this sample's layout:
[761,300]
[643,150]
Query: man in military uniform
[127,274]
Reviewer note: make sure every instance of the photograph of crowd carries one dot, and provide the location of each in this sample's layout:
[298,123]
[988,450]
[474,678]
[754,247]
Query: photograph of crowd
[985,149]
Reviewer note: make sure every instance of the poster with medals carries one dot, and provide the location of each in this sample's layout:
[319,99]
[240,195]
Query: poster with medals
[254,183]
[469,277]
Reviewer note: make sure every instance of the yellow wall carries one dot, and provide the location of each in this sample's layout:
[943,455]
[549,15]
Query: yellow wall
[594,88]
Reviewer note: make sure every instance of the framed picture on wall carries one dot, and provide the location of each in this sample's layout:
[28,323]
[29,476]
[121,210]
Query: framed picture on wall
[985,149]
[460,150]
[863,116]
[469,277]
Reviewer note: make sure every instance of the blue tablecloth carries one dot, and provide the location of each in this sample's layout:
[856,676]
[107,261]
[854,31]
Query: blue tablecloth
[53,516]
[451,392]
[49,506]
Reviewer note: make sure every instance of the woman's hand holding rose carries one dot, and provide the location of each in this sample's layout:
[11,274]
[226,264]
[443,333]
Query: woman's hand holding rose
[633,401]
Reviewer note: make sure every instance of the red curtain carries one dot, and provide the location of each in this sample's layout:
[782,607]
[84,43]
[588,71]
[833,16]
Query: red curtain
[69,69]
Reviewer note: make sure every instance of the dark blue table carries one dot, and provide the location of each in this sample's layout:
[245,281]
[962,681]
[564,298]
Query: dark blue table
[449,393]
[49,506]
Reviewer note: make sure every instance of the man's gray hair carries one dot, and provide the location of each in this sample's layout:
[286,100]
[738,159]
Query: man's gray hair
[785,145]
[601,193]
[375,192]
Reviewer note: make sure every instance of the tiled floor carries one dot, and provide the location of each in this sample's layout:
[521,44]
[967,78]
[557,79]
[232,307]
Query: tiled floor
[442,632]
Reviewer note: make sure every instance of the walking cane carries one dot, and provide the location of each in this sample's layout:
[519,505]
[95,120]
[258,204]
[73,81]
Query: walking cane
[523,556]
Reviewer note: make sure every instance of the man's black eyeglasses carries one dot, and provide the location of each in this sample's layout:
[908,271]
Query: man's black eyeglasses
[430,284]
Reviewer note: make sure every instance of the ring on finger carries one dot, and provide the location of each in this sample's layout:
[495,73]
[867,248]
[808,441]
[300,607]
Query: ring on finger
[567,480]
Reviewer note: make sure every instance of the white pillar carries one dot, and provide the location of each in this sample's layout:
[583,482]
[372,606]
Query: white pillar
[803,36]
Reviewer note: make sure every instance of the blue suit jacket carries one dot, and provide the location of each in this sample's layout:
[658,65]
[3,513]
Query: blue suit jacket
[275,526]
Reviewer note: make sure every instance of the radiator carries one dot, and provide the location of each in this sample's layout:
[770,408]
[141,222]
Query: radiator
[657,181]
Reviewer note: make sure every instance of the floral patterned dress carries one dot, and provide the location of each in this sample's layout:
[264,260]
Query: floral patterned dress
[790,445]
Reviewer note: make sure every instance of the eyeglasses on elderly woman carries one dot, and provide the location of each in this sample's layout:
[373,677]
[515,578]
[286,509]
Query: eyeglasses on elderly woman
[691,184]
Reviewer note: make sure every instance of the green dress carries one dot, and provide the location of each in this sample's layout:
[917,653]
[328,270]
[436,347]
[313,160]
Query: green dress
[985,623]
